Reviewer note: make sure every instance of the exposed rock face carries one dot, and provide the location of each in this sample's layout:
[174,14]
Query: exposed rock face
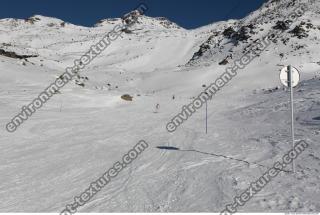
[243,34]
[226,60]
[206,46]
[137,17]
[203,48]
[131,18]
[32,20]
[282,25]
[15,55]
[292,19]
[228,32]
[300,30]
[167,23]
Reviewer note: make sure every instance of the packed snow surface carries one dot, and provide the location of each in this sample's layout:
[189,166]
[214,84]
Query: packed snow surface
[81,131]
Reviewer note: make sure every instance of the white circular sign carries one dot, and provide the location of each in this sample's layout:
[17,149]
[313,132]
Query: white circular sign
[284,76]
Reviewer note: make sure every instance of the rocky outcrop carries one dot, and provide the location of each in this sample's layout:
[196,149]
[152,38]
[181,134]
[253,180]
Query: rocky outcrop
[126,97]
[15,55]
[282,25]
[301,30]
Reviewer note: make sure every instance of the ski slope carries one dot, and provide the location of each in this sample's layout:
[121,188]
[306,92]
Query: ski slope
[82,131]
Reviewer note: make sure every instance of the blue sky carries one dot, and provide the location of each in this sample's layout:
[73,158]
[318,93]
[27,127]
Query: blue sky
[188,14]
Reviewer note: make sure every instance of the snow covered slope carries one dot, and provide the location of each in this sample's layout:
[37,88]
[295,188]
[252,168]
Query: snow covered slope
[82,131]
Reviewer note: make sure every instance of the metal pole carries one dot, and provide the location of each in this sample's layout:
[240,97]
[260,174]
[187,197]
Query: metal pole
[290,83]
[206,117]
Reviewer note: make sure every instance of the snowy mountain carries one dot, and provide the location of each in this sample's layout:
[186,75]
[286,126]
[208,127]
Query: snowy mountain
[86,127]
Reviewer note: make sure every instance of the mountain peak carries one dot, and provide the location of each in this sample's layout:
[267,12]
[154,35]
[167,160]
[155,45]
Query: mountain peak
[44,20]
